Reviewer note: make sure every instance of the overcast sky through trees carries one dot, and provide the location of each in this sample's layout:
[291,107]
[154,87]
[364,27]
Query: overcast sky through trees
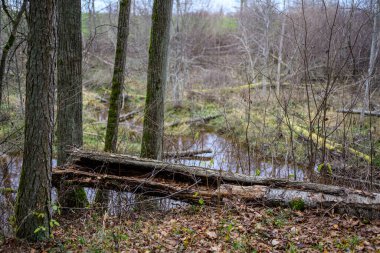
[215,5]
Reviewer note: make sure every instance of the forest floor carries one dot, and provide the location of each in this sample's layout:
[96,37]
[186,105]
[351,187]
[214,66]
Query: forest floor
[235,228]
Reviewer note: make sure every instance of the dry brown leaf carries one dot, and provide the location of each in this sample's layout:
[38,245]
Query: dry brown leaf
[211,234]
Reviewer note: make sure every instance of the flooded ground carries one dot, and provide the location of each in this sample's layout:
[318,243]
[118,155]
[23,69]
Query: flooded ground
[229,156]
[226,155]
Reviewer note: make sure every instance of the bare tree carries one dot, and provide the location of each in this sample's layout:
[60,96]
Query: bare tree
[11,39]
[375,45]
[69,92]
[117,86]
[153,131]
[280,48]
[32,211]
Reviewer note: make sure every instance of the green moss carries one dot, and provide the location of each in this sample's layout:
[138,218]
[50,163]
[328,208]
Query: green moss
[297,204]
[73,196]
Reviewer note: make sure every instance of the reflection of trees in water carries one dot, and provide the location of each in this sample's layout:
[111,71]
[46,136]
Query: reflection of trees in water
[228,156]
[7,197]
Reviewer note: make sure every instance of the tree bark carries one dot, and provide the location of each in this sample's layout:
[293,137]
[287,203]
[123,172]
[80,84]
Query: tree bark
[153,131]
[69,91]
[116,98]
[118,77]
[189,184]
[32,211]
[8,45]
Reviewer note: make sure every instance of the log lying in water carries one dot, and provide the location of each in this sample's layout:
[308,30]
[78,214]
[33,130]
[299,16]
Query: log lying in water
[359,111]
[188,183]
[194,121]
[188,153]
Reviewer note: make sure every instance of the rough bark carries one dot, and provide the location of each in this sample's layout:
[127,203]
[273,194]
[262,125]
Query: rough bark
[153,131]
[8,45]
[69,91]
[32,209]
[116,98]
[189,184]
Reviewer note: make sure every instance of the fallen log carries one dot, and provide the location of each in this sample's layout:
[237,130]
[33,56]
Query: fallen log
[330,145]
[202,120]
[130,115]
[131,166]
[102,99]
[359,111]
[353,202]
[233,89]
[188,153]
[229,89]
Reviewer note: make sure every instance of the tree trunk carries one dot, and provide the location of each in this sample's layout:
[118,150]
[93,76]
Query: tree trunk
[153,132]
[190,183]
[178,68]
[32,211]
[117,86]
[360,111]
[266,47]
[280,52]
[118,76]
[69,91]
[8,45]
[373,56]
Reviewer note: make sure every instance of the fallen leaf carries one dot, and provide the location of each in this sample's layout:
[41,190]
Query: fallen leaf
[211,234]
[275,242]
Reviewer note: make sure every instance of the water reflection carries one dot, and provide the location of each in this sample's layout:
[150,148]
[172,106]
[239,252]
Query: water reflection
[226,155]
[229,156]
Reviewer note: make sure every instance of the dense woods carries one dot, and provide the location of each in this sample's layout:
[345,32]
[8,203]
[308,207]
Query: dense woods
[189,126]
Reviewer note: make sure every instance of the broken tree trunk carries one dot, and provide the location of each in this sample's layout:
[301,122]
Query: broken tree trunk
[130,115]
[188,153]
[194,121]
[189,184]
[360,111]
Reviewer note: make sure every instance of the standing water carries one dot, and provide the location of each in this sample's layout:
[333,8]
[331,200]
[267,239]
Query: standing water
[228,156]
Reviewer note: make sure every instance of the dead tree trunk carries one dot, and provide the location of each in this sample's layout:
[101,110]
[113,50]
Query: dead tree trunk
[189,184]
[360,111]
[189,153]
[194,121]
